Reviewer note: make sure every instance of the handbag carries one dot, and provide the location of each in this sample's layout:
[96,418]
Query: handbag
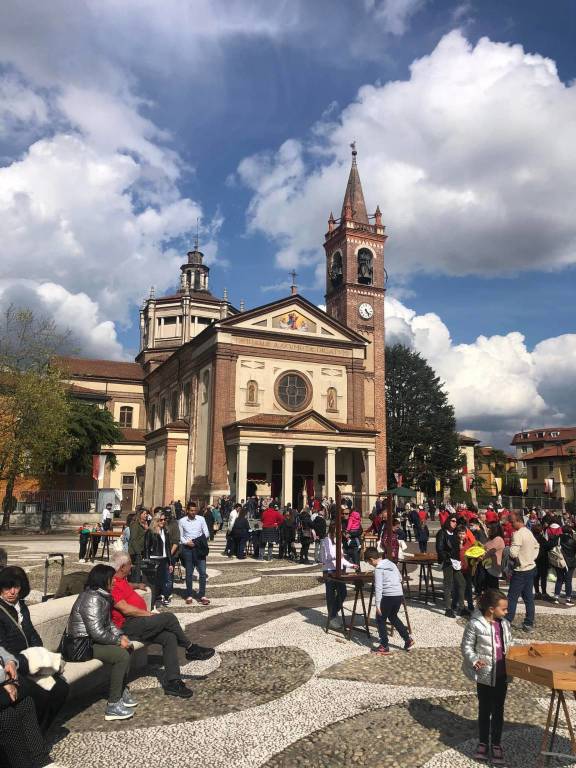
[76,648]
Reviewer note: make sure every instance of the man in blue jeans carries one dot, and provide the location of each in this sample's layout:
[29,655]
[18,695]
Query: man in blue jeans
[194,536]
[524,550]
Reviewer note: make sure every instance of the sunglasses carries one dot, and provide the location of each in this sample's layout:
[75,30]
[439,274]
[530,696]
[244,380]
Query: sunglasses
[162,519]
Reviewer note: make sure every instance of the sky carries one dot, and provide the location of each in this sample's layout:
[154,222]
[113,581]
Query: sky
[124,126]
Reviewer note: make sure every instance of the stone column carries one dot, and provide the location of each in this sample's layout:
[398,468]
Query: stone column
[330,472]
[287,474]
[241,472]
[371,479]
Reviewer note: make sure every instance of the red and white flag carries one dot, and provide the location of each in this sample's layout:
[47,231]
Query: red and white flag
[98,466]
[549,485]
[398,478]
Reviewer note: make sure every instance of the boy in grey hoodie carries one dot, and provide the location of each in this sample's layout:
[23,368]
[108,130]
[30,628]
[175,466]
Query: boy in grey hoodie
[388,597]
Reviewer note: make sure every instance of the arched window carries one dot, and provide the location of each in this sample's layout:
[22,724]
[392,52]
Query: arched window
[252,392]
[365,270]
[336,272]
[126,414]
[331,399]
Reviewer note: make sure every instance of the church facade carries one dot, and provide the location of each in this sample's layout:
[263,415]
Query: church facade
[284,399]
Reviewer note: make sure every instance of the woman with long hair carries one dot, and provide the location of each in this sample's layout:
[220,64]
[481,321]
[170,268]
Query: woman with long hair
[335,590]
[17,634]
[493,561]
[448,551]
[158,548]
[90,619]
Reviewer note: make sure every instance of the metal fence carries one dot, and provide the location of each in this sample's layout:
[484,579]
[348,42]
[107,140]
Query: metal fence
[75,502]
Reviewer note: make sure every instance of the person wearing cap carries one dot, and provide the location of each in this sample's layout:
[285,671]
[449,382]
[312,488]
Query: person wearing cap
[107,514]
[491,515]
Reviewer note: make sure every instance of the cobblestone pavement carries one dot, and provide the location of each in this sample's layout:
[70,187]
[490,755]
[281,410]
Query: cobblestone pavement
[282,693]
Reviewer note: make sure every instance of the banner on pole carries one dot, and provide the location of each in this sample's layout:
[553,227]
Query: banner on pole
[523,484]
[498,484]
[98,466]
[438,485]
[549,485]
[398,478]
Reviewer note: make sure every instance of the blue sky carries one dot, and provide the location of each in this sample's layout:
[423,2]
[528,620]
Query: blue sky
[121,124]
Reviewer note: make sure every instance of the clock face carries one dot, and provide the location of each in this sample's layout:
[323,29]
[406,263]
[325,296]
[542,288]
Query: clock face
[365,311]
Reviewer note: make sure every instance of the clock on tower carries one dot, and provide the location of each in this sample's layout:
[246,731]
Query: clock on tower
[355,289]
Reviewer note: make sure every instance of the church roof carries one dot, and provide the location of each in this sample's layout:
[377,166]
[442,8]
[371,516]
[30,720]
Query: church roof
[308,306]
[281,421]
[100,369]
[354,197]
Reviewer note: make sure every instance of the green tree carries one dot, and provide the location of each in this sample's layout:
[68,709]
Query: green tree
[89,428]
[421,427]
[34,406]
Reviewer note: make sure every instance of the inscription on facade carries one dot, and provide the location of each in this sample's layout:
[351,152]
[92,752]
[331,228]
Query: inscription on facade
[304,348]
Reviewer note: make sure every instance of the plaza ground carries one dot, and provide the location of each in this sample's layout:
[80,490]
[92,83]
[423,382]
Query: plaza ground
[280,692]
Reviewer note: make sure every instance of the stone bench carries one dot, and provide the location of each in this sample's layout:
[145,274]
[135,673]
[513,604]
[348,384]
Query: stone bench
[50,620]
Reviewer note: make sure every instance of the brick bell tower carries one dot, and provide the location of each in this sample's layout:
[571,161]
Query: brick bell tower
[355,289]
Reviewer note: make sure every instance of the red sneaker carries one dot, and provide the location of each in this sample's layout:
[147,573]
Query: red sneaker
[382,651]
[481,752]
[410,643]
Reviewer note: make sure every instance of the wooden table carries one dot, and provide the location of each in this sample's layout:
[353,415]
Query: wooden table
[94,542]
[425,577]
[358,581]
[552,665]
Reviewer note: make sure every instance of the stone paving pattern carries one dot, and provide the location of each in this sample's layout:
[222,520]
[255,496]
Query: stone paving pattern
[243,679]
[281,692]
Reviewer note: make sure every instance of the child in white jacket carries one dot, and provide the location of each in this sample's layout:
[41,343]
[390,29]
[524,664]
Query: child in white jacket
[485,643]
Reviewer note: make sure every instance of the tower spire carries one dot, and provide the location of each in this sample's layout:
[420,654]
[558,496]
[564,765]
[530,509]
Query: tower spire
[354,207]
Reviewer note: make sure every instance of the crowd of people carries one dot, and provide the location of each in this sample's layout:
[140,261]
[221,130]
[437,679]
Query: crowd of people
[478,552]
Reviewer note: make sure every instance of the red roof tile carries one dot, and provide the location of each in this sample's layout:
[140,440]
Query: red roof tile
[564,433]
[100,369]
[133,435]
[552,451]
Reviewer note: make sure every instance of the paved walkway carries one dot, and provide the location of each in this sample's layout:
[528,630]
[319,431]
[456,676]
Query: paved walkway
[280,692]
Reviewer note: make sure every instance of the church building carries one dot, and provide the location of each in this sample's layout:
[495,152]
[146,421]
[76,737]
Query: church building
[284,399]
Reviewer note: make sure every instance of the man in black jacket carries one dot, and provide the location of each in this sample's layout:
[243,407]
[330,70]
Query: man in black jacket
[448,551]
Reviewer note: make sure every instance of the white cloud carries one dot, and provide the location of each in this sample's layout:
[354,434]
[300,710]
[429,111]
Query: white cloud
[460,158]
[19,105]
[73,311]
[70,213]
[394,14]
[496,384]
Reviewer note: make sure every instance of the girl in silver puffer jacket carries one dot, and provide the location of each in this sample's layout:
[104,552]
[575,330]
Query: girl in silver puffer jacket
[485,643]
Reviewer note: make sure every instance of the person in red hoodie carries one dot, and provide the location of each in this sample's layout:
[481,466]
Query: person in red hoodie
[354,534]
[491,515]
[271,520]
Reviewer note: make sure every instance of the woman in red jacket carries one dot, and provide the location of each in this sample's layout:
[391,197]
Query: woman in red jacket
[271,520]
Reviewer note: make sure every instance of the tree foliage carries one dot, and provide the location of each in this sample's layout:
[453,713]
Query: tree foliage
[89,428]
[421,427]
[34,406]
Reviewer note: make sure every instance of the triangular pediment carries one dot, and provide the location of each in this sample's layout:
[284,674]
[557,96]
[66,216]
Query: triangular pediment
[293,317]
[311,421]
